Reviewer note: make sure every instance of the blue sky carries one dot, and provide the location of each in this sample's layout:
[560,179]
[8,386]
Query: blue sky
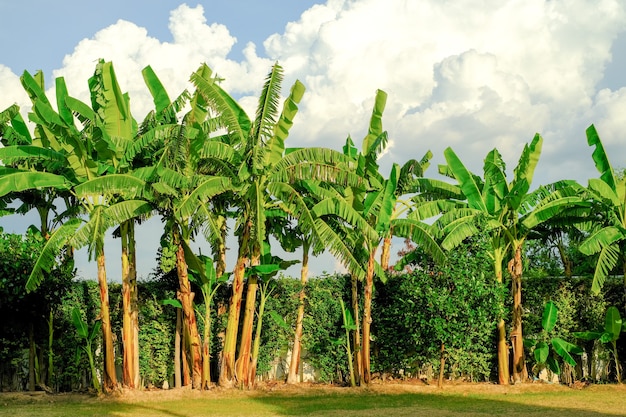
[465,74]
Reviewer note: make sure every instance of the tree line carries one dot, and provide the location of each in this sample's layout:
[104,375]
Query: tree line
[199,160]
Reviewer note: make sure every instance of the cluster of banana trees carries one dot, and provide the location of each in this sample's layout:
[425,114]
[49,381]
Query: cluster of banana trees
[198,160]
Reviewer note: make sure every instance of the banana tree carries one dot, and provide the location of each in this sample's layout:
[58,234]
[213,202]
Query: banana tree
[509,212]
[607,236]
[39,168]
[185,166]
[265,174]
[379,212]
[99,199]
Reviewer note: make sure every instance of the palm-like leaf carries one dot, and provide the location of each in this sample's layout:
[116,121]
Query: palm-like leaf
[50,251]
[606,262]
[600,157]
[466,179]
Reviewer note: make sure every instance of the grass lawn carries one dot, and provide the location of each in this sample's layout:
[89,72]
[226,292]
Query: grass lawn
[392,399]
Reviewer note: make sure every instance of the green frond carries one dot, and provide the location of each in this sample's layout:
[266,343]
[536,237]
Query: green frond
[61,95]
[34,87]
[339,208]
[606,262]
[316,155]
[125,185]
[29,180]
[212,149]
[202,194]
[10,155]
[433,189]
[525,169]
[112,107]
[47,258]
[126,210]
[602,190]
[428,209]
[92,233]
[496,187]
[318,172]
[235,119]
[600,158]
[159,95]
[267,108]
[80,110]
[467,181]
[173,179]
[153,137]
[338,246]
[421,235]
[276,144]
[374,143]
[547,210]
[295,204]
[600,239]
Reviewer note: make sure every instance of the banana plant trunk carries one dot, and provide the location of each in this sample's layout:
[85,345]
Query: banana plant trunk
[177,365]
[130,315]
[502,345]
[356,334]
[247,327]
[257,336]
[294,365]
[520,374]
[206,351]
[367,317]
[227,362]
[109,377]
[185,296]
[385,254]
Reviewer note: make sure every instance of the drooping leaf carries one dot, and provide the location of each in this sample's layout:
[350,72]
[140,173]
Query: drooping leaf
[564,349]
[599,239]
[600,158]
[607,260]
[604,191]
[47,258]
[125,185]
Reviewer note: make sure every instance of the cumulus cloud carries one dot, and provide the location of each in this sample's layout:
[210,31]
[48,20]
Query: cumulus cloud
[461,74]
[12,91]
[466,74]
[130,49]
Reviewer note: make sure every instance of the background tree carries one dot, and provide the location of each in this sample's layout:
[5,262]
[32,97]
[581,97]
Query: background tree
[510,212]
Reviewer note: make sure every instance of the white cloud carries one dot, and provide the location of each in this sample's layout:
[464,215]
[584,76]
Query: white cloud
[130,49]
[471,75]
[11,88]
[468,75]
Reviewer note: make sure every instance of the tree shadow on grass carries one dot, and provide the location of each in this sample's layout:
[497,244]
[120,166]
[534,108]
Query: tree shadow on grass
[412,404]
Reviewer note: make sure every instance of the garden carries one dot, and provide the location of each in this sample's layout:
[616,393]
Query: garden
[500,282]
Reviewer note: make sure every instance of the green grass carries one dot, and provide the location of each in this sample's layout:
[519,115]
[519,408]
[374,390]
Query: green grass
[398,400]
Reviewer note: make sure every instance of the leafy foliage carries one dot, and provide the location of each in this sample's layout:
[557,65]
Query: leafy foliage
[456,304]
